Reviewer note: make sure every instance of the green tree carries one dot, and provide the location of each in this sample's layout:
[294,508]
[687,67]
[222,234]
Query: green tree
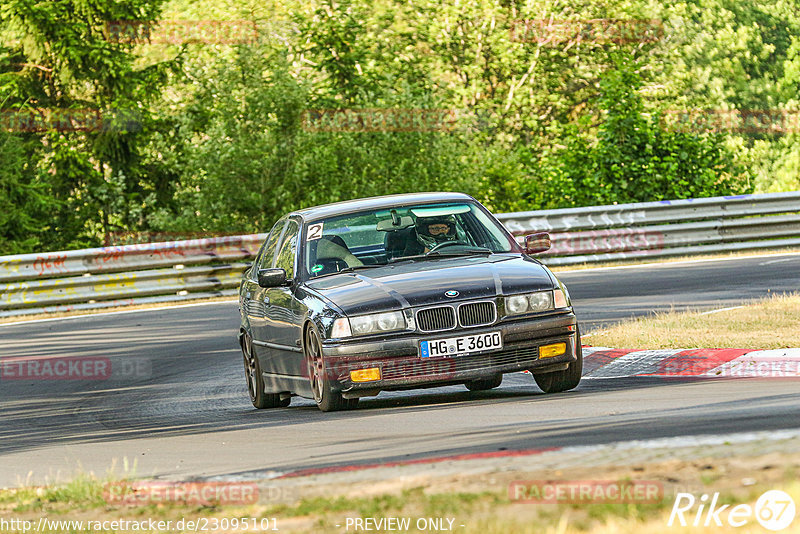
[66,60]
[638,158]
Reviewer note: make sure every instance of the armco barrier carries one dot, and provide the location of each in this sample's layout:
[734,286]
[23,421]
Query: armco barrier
[123,275]
[664,229]
[197,268]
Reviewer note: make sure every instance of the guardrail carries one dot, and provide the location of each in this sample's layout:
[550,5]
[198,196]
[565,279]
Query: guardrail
[664,229]
[199,268]
[123,275]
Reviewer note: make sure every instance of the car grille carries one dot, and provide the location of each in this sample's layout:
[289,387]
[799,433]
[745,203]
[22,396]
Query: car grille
[506,360]
[476,314]
[439,318]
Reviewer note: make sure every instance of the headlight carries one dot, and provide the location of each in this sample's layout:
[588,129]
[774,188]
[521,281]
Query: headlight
[371,324]
[541,301]
[517,304]
[362,325]
[535,302]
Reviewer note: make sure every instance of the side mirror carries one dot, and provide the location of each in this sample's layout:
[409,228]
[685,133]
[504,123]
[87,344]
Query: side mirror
[271,278]
[536,243]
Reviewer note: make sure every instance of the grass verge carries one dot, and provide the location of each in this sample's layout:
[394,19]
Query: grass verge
[467,510]
[771,323]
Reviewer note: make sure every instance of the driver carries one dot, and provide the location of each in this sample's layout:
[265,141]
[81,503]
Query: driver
[431,231]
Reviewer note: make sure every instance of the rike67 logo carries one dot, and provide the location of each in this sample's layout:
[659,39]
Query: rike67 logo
[774,510]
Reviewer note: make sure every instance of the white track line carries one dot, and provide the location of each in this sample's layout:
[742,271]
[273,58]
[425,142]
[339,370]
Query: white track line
[721,310]
[689,441]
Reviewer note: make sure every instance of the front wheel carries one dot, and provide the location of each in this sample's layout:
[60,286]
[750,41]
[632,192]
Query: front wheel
[326,398]
[255,380]
[564,380]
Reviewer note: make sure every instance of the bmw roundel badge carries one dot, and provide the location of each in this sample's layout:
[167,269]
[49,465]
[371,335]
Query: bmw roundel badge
[451,294]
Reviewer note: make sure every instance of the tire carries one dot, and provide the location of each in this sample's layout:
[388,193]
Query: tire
[255,380]
[564,380]
[326,398]
[484,383]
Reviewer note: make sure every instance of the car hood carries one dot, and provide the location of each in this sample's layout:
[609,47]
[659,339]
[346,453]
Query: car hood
[425,282]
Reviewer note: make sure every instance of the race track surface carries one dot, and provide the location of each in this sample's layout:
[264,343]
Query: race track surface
[184,410]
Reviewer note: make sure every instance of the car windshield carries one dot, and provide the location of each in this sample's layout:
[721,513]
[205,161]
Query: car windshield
[369,238]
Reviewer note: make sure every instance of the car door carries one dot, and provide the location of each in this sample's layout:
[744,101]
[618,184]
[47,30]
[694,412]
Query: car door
[257,302]
[285,314]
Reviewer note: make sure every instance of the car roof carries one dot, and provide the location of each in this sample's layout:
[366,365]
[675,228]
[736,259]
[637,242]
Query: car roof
[384,202]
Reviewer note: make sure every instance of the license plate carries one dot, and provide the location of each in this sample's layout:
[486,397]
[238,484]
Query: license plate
[459,346]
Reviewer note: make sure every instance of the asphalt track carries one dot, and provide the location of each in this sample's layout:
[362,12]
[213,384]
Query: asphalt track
[185,412]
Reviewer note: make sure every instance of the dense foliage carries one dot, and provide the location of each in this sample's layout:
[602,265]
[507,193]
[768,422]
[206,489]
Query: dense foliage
[510,101]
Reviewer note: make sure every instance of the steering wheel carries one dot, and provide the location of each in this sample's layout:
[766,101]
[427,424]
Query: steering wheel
[444,244]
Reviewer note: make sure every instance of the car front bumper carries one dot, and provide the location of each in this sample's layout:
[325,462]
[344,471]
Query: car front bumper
[402,367]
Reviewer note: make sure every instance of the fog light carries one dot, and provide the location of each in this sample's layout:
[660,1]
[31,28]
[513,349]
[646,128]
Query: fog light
[549,351]
[366,375]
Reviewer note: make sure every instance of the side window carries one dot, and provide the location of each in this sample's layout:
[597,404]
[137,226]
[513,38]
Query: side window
[288,251]
[264,260]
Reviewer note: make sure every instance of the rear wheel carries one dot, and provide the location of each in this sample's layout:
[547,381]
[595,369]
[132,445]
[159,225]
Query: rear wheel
[564,380]
[484,383]
[326,398]
[255,380]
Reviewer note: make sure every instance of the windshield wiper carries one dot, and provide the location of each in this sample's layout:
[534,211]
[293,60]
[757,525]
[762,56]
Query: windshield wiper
[349,270]
[408,258]
[358,267]
[439,253]
[469,252]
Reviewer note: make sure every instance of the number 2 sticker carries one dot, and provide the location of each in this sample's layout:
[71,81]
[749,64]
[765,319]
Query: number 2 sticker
[314,232]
